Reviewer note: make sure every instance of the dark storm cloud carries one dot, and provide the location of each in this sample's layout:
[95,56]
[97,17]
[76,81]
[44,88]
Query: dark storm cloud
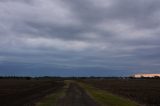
[81,34]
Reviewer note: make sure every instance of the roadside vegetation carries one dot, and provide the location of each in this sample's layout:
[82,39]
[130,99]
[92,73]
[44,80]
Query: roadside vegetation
[105,98]
[72,91]
[143,91]
[52,99]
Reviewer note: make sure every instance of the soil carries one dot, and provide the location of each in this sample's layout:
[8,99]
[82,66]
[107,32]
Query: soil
[25,92]
[76,96]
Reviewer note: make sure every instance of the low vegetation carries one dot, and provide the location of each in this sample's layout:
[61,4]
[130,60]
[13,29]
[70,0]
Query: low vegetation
[52,99]
[105,98]
[144,91]
[56,91]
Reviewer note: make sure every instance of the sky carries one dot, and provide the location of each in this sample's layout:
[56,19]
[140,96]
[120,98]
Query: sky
[79,37]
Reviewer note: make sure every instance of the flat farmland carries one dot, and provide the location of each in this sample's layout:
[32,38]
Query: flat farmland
[15,92]
[81,92]
[144,91]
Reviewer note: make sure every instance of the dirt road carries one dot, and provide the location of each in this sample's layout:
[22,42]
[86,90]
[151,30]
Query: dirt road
[76,96]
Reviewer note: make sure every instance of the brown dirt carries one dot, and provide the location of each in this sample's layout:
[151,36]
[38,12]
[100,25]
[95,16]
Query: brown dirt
[76,96]
[24,92]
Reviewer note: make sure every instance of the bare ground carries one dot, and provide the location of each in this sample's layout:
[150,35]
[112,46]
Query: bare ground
[26,92]
[76,96]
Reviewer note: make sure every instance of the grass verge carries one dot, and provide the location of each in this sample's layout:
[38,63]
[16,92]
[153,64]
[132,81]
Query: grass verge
[51,100]
[105,98]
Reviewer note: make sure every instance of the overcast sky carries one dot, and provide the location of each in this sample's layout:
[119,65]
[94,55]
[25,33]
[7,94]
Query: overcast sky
[79,37]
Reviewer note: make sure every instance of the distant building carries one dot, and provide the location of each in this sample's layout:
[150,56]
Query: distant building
[146,75]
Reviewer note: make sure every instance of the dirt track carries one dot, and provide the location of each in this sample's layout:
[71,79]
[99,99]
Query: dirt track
[76,96]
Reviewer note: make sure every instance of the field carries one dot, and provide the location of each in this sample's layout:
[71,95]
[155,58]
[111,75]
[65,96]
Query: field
[81,92]
[143,91]
[25,92]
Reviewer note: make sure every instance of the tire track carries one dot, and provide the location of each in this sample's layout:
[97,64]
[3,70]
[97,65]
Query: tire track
[76,96]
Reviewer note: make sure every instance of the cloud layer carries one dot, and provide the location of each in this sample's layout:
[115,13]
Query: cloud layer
[112,36]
